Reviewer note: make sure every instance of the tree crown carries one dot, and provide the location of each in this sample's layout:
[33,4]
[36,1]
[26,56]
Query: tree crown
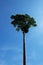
[23,22]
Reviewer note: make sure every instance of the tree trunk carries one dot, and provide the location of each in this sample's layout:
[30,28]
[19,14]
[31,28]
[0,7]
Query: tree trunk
[24,50]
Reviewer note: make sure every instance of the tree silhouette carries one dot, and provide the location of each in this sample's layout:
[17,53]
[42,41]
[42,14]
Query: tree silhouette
[23,23]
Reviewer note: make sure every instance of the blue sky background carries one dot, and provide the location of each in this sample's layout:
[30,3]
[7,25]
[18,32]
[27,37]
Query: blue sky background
[11,40]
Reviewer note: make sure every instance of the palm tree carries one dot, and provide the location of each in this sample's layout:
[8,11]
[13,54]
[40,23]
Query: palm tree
[23,23]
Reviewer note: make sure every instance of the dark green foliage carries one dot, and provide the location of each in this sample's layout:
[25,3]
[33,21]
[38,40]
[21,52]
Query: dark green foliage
[23,22]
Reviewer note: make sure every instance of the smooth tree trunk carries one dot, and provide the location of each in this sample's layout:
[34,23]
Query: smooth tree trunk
[24,50]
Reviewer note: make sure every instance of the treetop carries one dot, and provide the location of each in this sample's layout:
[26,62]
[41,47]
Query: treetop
[23,22]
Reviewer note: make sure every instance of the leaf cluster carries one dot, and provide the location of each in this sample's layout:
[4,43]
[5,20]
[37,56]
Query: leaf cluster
[23,22]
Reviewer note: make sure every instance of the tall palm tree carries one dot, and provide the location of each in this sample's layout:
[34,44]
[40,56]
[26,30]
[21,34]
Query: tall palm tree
[23,23]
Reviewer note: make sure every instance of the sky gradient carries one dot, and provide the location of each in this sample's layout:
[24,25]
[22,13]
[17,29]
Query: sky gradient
[11,45]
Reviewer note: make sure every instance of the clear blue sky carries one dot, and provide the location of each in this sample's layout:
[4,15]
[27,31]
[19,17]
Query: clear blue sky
[11,44]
